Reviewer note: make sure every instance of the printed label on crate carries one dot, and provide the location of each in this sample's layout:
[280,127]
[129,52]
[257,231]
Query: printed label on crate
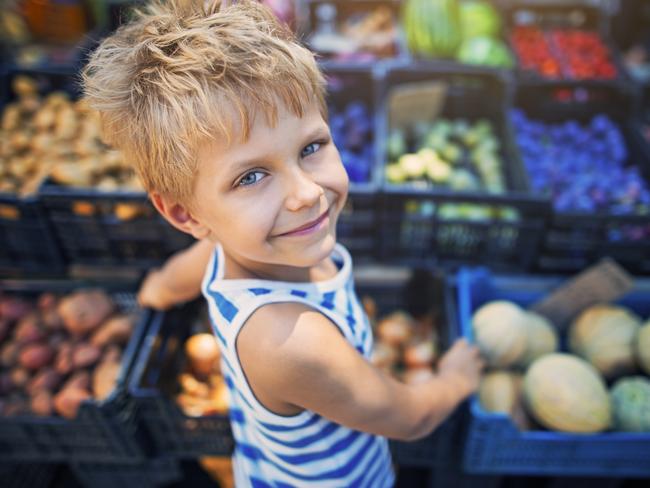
[601,283]
[413,102]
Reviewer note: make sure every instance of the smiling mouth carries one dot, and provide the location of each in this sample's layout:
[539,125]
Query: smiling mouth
[307,227]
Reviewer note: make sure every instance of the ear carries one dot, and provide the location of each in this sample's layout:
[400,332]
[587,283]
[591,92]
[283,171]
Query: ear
[179,216]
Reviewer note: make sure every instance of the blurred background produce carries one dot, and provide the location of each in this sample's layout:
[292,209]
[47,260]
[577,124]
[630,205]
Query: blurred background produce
[54,136]
[354,31]
[58,351]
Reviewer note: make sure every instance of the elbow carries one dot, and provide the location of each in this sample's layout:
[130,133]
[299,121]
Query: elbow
[418,429]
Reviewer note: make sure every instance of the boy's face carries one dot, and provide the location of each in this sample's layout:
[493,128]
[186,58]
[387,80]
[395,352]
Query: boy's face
[275,199]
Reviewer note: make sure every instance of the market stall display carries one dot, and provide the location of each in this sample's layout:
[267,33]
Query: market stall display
[468,31]
[361,31]
[581,149]
[67,350]
[454,187]
[560,416]
[556,41]
[352,103]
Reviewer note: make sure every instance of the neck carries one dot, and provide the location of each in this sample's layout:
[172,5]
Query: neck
[240,269]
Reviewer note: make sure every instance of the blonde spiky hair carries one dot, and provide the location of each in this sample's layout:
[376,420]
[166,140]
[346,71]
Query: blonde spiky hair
[185,73]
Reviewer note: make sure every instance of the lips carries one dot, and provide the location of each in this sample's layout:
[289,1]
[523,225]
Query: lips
[309,225]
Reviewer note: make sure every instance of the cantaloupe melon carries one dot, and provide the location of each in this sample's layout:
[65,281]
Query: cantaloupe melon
[565,393]
[604,335]
[631,404]
[499,391]
[500,332]
[541,338]
[642,347]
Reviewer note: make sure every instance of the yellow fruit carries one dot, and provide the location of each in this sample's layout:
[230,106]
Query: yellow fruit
[566,393]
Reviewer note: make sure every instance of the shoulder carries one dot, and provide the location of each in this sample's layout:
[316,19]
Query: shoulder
[287,329]
[283,348]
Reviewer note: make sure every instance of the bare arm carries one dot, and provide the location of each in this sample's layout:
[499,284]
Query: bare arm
[304,362]
[179,279]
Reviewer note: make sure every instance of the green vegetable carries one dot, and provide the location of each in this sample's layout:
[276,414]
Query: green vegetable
[485,51]
[478,19]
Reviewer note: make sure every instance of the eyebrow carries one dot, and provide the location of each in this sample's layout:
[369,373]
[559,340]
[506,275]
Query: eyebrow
[237,166]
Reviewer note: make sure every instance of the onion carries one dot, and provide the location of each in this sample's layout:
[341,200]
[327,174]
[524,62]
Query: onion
[203,353]
[419,354]
[396,329]
[384,356]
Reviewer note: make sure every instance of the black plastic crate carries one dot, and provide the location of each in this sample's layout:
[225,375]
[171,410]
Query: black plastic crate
[106,430]
[179,435]
[28,245]
[154,381]
[151,473]
[557,15]
[352,89]
[576,239]
[110,229]
[31,475]
[442,226]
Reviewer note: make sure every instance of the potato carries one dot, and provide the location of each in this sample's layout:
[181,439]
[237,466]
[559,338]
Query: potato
[11,117]
[44,118]
[66,123]
[13,308]
[29,104]
[63,361]
[24,86]
[112,353]
[116,330]
[68,401]
[57,99]
[42,403]
[83,311]
[51,320]
[47,301]
[35,356]
[192,386]
[9,354]
[47,379]
[72,174]
[28,330]
[85,355]
[19,377]
[104,379]
[80,380]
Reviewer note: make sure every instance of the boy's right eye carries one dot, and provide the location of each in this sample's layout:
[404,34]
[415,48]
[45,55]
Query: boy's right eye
[251,178]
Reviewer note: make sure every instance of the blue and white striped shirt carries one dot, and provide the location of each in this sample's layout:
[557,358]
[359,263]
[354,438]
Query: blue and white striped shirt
[305,449]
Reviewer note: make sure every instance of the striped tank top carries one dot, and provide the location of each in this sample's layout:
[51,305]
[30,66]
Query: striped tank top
[306,449]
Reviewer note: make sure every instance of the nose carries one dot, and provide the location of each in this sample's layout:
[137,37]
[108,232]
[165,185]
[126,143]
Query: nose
[303,191]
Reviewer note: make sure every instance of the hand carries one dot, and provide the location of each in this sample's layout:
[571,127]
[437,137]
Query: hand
[462,365]
[153,293]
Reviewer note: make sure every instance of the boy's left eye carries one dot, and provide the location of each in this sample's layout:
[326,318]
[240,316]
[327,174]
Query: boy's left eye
[310,149]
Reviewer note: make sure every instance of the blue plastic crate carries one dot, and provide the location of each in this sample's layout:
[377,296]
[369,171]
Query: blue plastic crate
[495,445]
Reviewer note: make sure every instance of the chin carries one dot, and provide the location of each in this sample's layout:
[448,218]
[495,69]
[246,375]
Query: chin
[314,253]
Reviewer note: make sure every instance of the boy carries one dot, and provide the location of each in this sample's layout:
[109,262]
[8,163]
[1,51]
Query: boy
[223,114]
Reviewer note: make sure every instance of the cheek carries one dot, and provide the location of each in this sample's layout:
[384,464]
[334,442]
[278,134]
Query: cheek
[334,175]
